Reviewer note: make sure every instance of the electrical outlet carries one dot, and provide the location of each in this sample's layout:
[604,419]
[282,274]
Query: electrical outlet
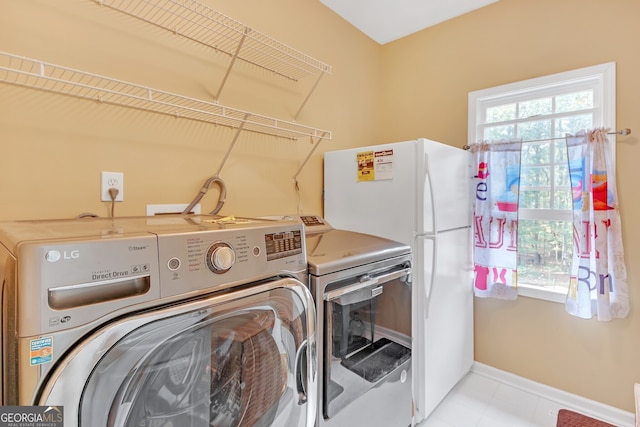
[112,180]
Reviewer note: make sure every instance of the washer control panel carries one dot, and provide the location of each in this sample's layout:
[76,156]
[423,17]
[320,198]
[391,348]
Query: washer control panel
[283,244]
[221,258]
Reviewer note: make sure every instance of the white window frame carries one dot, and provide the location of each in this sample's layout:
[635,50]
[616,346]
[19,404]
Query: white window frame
[602,78]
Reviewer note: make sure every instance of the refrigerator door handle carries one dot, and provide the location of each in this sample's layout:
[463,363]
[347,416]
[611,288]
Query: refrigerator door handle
[428,288]
[429,184]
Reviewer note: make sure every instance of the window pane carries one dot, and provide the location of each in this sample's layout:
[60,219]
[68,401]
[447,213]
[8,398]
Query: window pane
[535,176]
[544,252]
[530,131]
[500,113]
[561,175]
[573,124]
[560,150]
[574,101]
[535,153]
[535,107]
[499,132]
[562,199]
[534,199]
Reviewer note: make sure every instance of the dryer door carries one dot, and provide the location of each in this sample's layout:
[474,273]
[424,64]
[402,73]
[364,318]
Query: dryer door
[246,358]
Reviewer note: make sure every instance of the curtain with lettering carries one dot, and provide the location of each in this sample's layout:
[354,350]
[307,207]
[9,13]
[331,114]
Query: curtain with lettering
[497,182]
[598,285]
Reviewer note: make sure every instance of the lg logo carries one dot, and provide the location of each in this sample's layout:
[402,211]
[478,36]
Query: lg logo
[55,256]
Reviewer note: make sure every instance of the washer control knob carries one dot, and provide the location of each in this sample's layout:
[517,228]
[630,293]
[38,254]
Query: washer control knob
[220,257]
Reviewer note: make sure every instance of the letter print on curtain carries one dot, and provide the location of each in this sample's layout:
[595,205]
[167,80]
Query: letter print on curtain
[598,274]
[497,182]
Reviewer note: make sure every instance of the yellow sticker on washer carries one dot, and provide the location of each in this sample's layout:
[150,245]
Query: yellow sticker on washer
[41,350]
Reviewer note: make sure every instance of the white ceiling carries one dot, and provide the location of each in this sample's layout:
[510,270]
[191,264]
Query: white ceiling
[388,20]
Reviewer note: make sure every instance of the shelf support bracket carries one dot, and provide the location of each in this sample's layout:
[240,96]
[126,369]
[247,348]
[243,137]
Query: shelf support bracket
[233,143]
[233,60]
[308,96]
[295,177]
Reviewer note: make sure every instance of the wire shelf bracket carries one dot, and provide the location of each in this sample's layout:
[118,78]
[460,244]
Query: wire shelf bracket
[206,26]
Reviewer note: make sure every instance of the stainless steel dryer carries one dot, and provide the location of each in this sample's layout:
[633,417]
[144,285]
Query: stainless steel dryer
[362,288]
[159,321]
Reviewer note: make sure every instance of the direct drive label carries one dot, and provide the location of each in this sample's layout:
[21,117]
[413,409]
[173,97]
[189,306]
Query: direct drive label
[41,351]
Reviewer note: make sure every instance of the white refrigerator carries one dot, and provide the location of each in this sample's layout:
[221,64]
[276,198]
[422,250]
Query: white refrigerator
[417,192]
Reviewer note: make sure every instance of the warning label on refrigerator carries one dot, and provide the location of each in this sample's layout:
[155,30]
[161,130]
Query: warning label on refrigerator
[375,165]
[365,166]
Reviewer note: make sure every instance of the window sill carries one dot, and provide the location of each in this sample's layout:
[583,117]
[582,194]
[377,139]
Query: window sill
[557,294]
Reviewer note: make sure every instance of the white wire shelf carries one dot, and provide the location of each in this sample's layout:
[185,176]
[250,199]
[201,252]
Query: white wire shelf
[200,23]
[32,73]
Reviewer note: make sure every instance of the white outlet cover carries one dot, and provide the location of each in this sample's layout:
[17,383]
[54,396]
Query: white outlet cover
[109,180]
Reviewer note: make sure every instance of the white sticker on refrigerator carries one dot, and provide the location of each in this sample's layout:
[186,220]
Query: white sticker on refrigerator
[383,165]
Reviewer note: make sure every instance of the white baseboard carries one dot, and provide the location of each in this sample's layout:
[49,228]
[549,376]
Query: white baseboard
[573,402]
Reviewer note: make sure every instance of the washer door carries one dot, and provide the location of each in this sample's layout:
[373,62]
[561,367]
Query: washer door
[246,358]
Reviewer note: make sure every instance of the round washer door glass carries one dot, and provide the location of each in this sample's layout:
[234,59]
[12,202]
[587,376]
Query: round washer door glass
[241,363]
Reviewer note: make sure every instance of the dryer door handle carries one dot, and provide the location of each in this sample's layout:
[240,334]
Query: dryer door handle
[375,280]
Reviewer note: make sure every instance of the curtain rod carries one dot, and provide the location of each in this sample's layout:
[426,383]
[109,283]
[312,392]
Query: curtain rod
[624,132]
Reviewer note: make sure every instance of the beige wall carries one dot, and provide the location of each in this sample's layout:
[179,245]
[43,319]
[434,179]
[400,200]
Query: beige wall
[53,147]
[428,76]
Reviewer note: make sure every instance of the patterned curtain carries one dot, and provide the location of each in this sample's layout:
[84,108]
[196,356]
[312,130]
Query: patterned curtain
[497,183]
[598,284]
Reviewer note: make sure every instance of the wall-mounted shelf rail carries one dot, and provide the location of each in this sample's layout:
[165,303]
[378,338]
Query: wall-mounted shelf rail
[200,23]
[22,71]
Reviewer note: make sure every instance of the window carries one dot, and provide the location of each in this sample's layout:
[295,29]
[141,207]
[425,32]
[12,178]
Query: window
[541,112]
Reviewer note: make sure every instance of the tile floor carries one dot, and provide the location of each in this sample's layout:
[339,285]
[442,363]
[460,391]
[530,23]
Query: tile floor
[478,401]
